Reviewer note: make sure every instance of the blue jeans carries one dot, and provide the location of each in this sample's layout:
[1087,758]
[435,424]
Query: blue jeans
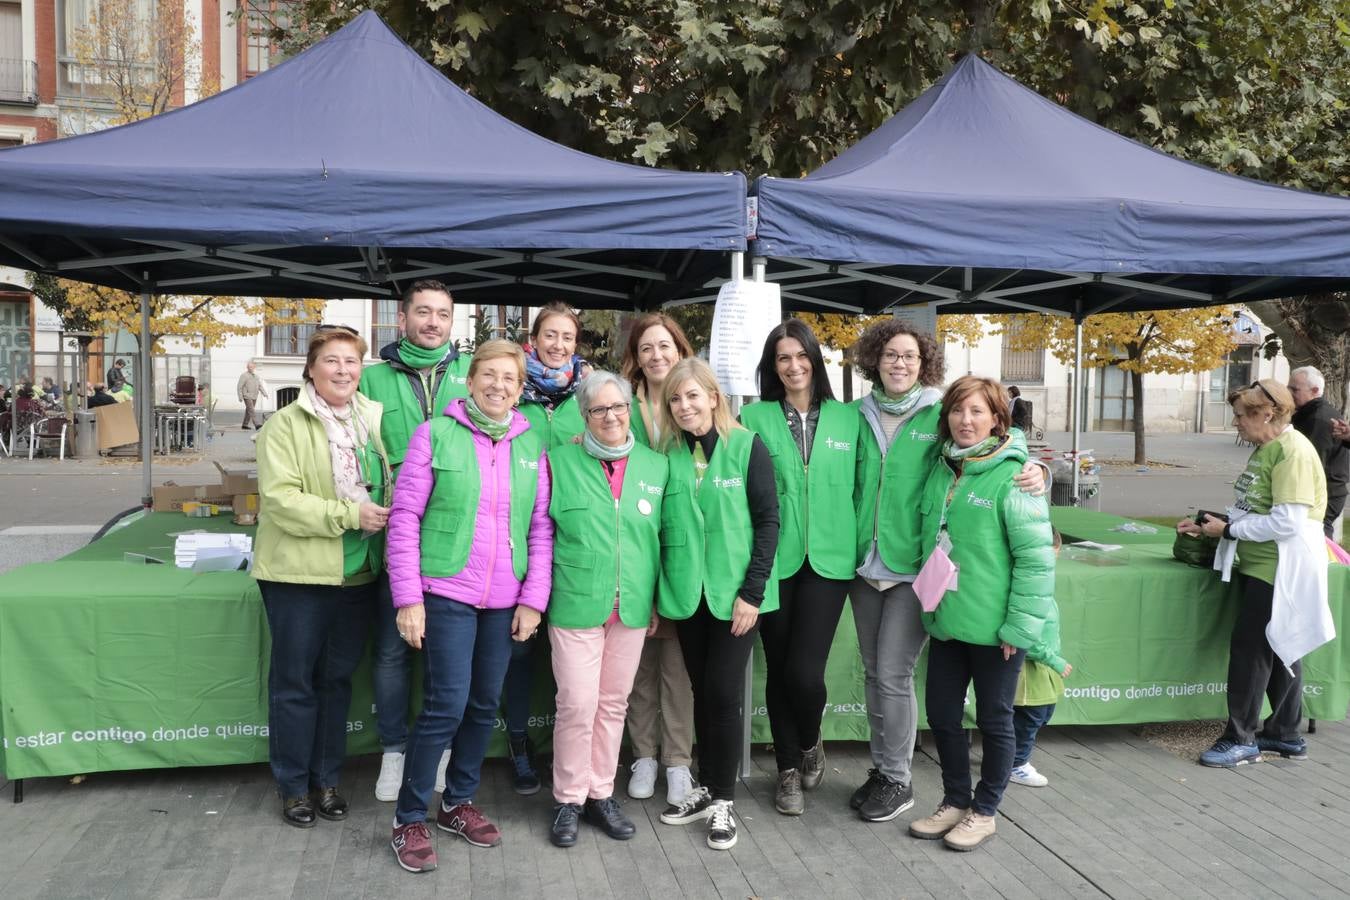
[516,690]
[391,673]
[318,636]
[1027,723]
[466,651]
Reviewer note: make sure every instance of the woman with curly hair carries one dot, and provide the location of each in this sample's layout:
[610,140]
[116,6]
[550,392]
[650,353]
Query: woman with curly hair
[898,447]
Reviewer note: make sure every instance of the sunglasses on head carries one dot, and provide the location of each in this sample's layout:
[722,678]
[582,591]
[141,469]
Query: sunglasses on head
[1262,388]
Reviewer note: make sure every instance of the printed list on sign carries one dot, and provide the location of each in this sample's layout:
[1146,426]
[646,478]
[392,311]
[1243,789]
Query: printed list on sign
[746,312]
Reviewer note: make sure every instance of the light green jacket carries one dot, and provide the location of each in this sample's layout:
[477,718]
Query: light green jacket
[300,519]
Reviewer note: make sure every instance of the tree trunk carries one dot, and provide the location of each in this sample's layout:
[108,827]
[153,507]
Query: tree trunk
[1137,392]
[848,382]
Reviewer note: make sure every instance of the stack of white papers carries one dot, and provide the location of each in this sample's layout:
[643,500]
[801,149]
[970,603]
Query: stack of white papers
[206,552]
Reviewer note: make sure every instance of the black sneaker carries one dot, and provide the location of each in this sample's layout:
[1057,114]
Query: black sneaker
[695,806]
[721,825]
[874,780]
[608,817]
[526,780]
[563,832]
[889,800]
[813,766]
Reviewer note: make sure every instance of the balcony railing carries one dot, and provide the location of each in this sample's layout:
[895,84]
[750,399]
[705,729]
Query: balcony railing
[18,81]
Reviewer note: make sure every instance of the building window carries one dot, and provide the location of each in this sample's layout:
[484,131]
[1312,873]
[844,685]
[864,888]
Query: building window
[383,323]
[94,53]
[257,20]
[289,335]
[1021,366]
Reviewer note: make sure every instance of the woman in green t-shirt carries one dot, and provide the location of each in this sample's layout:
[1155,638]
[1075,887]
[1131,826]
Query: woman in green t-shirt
[1275,527]
[322,479]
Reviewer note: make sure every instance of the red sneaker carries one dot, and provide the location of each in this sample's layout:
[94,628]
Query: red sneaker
[465,820]
[412,847]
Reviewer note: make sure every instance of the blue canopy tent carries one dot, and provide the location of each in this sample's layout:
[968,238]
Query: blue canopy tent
[350,171]
[982,196]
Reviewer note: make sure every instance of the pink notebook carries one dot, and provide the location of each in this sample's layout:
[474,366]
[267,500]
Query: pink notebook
[934,579]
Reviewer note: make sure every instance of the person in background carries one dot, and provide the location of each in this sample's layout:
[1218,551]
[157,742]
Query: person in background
[1001,542]
[416,378]
[554,371]
[322,482]
[661,705]
[1275,529]
[470,568]
[606,510]
[717,575]
[1317,420]
[51,393]
[116,376]
[1039,688]
[249,388]
[813,442]
[899,447]
[1021,410]
[204,394]
[100,397]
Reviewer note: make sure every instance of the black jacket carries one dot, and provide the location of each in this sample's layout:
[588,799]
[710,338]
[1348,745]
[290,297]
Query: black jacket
[1313,421]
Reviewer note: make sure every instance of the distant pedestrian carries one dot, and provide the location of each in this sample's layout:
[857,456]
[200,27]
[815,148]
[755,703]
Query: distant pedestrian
[1316,420]
[1021,409]
[249,389]
[116,376]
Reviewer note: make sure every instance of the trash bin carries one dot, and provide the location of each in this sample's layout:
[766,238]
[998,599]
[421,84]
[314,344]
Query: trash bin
[86,434]
[1061,491]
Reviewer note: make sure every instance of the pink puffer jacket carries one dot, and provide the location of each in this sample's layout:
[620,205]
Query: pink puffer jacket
[474,584]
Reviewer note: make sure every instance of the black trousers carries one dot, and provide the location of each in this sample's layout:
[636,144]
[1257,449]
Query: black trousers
[952,666]
[797,638]
[1255,672]
[716,664]
[1334,507]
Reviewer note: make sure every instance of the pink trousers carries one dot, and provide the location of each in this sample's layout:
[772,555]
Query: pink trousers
[594,669]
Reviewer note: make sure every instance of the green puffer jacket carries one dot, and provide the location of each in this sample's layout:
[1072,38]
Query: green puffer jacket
[1003,544]
[301,521]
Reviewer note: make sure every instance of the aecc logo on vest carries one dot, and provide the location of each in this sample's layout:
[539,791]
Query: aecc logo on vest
[728,482]
[837,445]
[981,502]
[529,464]
[649,488]
[929,436]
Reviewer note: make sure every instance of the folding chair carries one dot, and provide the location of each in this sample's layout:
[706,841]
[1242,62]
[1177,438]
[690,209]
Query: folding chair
[48,428]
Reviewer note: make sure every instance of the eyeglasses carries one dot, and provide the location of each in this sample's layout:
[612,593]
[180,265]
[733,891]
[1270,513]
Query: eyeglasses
[347,328]
[600,413]
[1262,388]
[890,358]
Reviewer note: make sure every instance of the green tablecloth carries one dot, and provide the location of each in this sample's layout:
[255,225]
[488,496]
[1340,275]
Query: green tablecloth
[1078,524]
[107,665]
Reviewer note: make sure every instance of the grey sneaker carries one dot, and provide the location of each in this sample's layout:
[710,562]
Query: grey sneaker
[813,766]
[788,798]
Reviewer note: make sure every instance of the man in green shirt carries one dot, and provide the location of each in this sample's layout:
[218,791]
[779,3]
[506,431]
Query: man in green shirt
[418,375]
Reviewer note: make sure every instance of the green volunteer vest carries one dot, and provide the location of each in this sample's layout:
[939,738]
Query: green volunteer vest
[600,544]
[706,533]
[402,412]
[889,489]
[637,424]
[978,608]
[558,426]
[815,502]
[452,509]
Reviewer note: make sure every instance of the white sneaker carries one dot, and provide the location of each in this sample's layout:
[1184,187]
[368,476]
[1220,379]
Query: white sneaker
[1026,774]
[440,772]
[643,783]
[391,777]
[678,784]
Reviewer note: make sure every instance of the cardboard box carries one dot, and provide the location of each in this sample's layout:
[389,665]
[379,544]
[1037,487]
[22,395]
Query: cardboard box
[171,497]
[116,425]
[238,480]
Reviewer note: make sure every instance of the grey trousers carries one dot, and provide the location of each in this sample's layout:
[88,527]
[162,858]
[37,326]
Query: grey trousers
[890,638]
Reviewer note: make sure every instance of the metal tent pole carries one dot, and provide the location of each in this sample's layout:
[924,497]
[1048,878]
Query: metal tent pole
[1077,388]
[757,266]
[146,393]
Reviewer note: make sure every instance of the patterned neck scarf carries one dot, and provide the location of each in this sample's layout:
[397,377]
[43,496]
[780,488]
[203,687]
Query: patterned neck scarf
[547,385]
[604,451]
[346,433]
[486,424]
[897,406]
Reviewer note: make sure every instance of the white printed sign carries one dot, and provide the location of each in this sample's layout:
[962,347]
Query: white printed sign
[921,317]
[745,314]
